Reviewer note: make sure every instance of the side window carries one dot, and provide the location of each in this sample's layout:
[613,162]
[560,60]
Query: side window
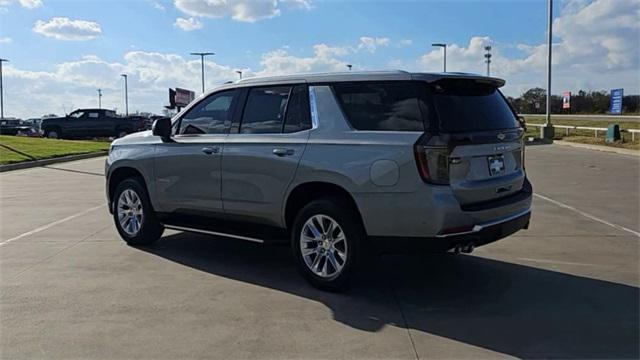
[298,117]
[265,109]
[390,106]
[210,116]
[93,115]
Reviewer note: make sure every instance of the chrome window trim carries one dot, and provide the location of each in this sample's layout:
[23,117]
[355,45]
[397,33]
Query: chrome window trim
[313,107]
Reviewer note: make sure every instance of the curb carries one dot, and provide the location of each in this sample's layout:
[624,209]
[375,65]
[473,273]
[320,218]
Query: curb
[43,162]
[598,148]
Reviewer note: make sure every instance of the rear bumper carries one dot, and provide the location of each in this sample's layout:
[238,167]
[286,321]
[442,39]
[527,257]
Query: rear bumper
[481,234]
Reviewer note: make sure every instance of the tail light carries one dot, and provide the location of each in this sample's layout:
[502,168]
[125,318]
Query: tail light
[432,163]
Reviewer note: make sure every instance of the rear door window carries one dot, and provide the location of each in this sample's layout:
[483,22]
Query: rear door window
[298,116]
[465,105]
[384,106]
[265,110]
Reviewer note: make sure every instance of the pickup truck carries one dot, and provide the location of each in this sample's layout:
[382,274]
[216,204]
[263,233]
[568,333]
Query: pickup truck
[86,123]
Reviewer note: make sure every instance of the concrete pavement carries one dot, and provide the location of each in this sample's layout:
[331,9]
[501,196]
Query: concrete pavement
[566,288]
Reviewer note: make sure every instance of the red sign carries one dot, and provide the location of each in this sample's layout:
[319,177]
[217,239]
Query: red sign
[566,100]
[183,97]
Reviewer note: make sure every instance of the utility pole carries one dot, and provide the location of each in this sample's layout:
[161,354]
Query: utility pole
[99,98]
[239,72]
[202,55]
[547,131]
[126,95]
[349,66]
[487,57]
[444,47]
[1,90]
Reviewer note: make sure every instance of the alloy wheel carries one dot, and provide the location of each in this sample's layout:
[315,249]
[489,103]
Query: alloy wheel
[130,213]
[323,246]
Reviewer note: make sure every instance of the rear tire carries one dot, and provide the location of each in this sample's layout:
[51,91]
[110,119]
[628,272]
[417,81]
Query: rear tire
[325,240]
[133,214]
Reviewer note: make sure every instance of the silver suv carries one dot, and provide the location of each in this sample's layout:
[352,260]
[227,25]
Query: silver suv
[333,164]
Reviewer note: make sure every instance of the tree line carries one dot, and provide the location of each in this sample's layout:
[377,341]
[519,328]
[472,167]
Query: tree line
[534,101]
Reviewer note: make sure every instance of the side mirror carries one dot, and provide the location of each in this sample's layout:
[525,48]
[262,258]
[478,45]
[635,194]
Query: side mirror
[162,127]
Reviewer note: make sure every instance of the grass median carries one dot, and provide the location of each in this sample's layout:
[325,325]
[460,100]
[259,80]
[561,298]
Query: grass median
[587,136]
[28,149]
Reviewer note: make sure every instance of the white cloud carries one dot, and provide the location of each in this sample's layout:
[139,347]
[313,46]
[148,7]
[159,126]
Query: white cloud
[28,4]
[239,10]
[326,51]
[156,5]
[405,42]
[31,4]
[280,62]
[588,54]
[371,44]
[73,84]
[5,40]
[189,24]
[63,28]
[596,47]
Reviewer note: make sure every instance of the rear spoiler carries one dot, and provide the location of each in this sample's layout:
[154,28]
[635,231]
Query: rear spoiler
[430,77]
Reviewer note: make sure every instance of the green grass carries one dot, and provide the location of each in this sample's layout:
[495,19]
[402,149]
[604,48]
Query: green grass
[587,136]
[583,122]
[40,148]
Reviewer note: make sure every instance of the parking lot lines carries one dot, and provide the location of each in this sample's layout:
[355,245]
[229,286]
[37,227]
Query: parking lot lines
[531,295]
[51,224]
[587,215]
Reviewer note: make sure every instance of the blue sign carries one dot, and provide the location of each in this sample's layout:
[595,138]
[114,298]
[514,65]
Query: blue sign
[616,101]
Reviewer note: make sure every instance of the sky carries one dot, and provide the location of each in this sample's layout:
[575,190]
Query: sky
[60,52]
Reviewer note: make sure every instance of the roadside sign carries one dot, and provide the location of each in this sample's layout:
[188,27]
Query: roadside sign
[616,101]
[184,97]
[566,100]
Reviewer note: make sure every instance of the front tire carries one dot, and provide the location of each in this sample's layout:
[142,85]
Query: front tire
[133,214]
[52,134]
[326,237]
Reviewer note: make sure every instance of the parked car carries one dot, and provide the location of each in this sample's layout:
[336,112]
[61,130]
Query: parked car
[16,127]
[83,123]
[335,163]
[34,122]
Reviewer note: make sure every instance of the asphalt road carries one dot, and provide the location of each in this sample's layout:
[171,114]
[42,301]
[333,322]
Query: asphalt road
[565,288]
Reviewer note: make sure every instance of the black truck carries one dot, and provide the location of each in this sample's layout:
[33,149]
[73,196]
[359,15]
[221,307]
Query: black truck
[90,123]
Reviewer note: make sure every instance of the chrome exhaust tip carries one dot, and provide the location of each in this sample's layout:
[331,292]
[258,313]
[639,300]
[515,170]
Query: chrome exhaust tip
[468,248]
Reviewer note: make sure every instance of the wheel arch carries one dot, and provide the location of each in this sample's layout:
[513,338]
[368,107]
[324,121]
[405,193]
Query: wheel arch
[120,174]
[304,193]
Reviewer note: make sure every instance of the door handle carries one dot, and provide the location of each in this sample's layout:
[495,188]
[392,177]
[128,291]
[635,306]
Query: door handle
[283,152]
[211,150]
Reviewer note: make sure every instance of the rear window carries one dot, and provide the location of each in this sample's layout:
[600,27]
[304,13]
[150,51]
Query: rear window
[463,105]
[390,106]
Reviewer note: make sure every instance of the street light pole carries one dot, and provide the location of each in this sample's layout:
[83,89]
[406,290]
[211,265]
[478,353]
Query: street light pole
[487,56]
[202,55]
[239,72]
[444,47]
[126,95]
[1,90]
[99,98]
[548,128]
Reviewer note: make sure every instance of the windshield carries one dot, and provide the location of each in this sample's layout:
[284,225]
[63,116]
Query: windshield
[463,106]
[76,114]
